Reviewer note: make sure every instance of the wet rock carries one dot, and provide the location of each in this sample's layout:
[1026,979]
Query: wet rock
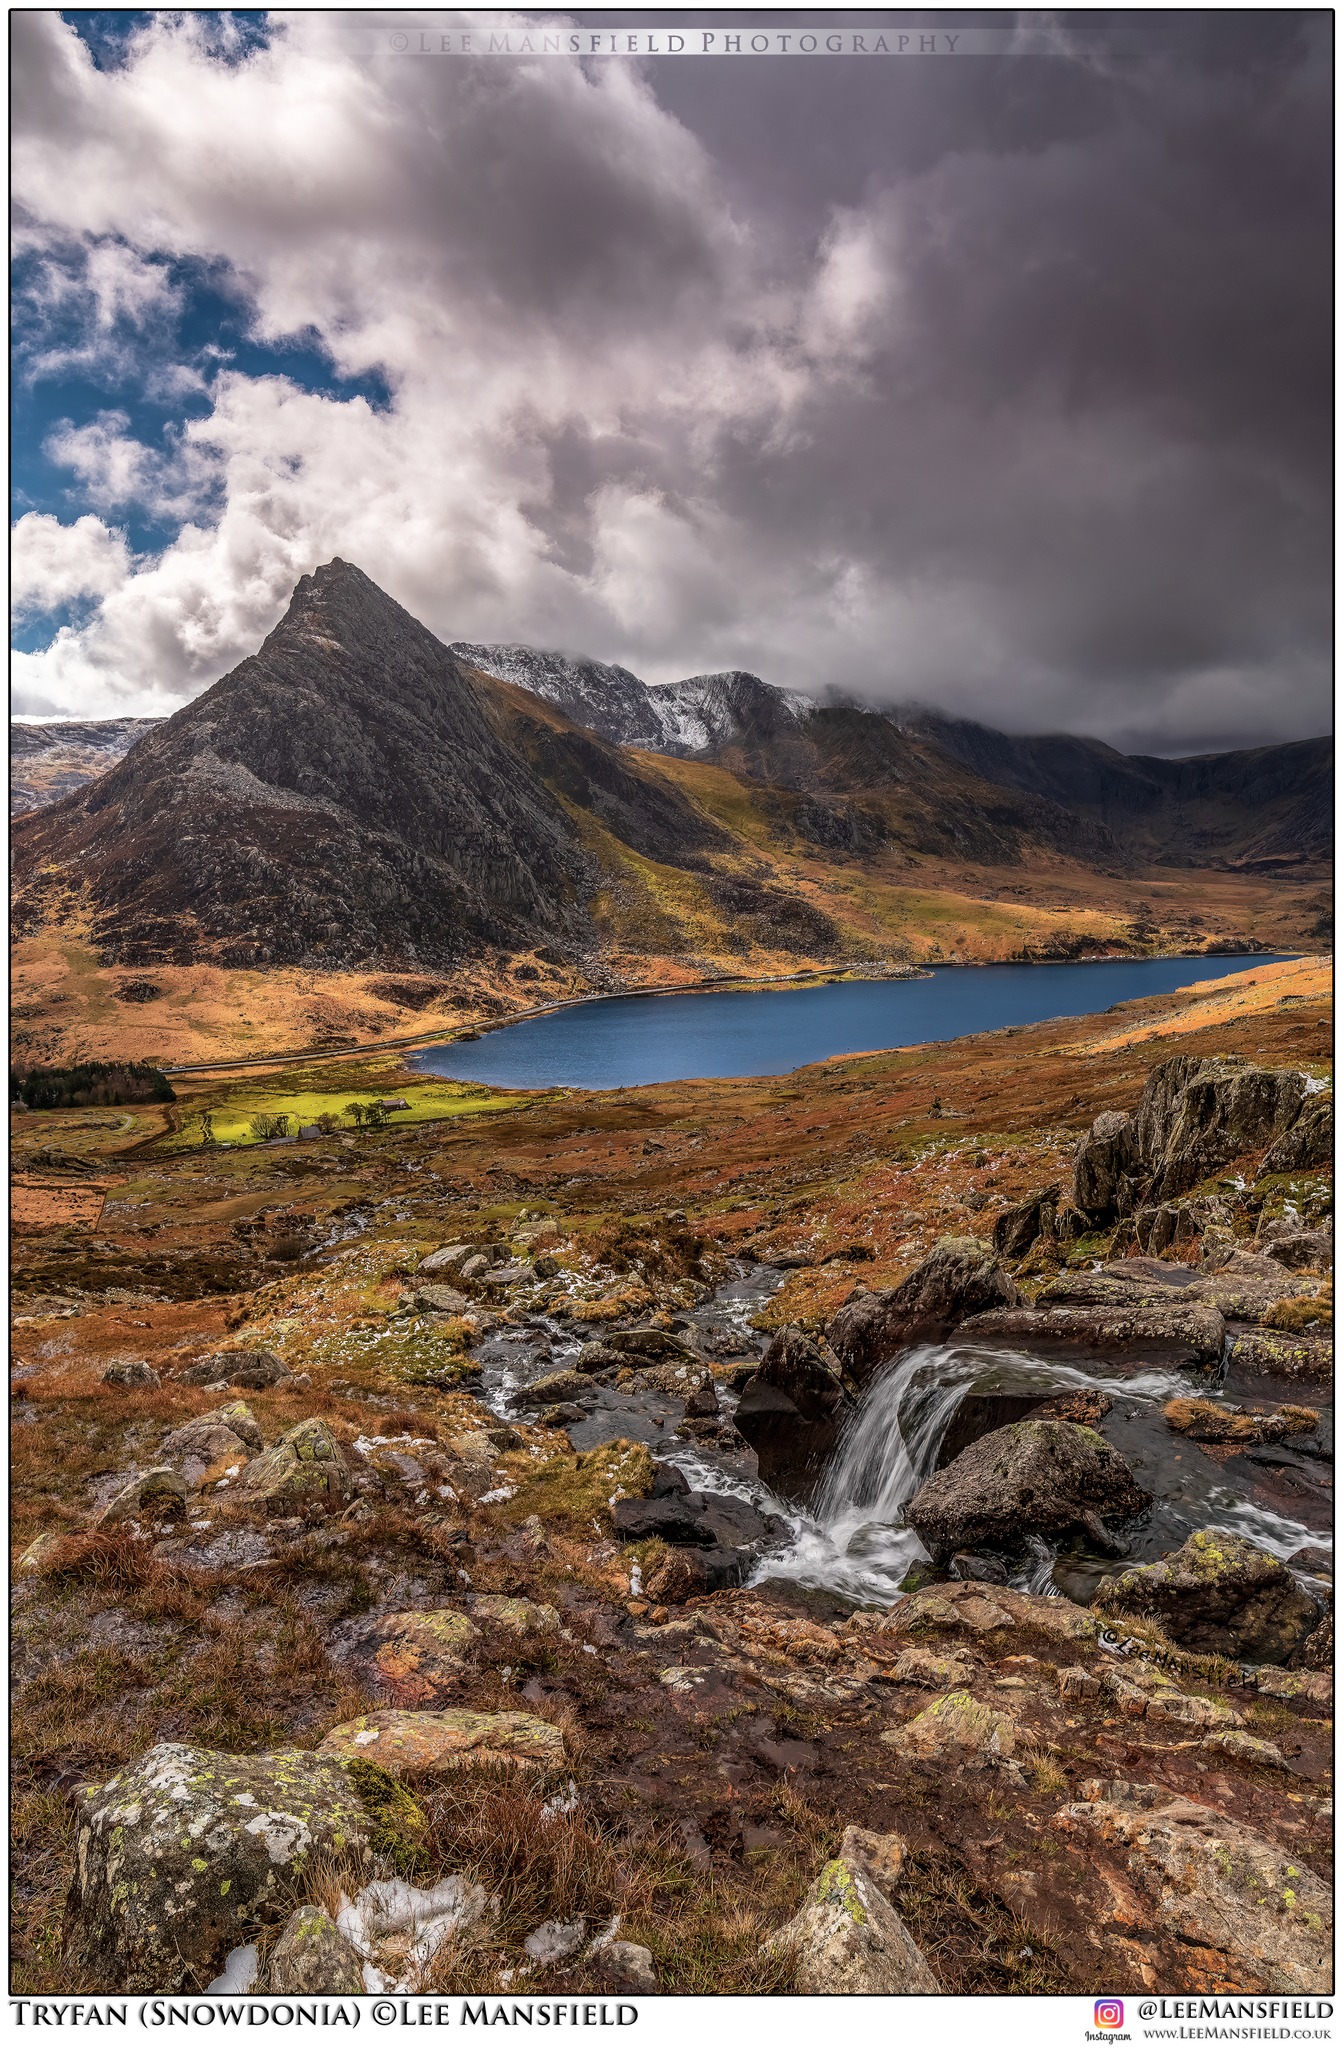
[313,1957]
[553,1387]
[1086,1406]
[131,1372]
[1317,1563]
[678,1576]
[187,1850]
[595,1358]
[961,1277]
[987,1571]
[701,1520]
[651,1344]
[982,1609]
[1307,1144]
[305,1469]
[792,1406]
[1218,1593]
[1291,1355]
[1178,1334]
[1219,1422]
[1318,1651]
[1043,1477]
[847,1938]
[1017,1229]
[1212,1883]
[456,1738]
[1302,1251]
[411,1658]
[158,1495]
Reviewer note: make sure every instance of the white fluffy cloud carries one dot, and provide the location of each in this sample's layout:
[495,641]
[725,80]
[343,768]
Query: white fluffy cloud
[52,564]
[637,411]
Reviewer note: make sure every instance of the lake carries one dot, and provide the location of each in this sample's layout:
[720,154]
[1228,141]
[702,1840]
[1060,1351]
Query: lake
[630,1041]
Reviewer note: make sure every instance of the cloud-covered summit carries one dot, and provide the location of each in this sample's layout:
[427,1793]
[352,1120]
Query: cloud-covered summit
[1000,383]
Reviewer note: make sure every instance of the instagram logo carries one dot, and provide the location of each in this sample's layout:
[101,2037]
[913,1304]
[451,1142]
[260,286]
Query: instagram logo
[1109,2012]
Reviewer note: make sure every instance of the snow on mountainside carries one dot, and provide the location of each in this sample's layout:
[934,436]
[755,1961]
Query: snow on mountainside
[689,717]
[608,700]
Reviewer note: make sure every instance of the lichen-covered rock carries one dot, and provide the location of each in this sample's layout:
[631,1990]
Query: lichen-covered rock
[1291,1355]
[304,1469]
[228,1432]
[626,1966]
[1046,1477]
[1308,1143]
[1224,1109]
[847,1938]
[255,1369]
[956,1722]
[186,1851]
[131,1373]
[961,1277]
[1212,1883]
[157,1495]
[1218,1593]
[520,1617]
[434,1743]
[313,1957]
[412,1658]
[1106,1167]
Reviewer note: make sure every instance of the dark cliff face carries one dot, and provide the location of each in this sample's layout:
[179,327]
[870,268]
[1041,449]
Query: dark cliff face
[1260,803]
[346,795]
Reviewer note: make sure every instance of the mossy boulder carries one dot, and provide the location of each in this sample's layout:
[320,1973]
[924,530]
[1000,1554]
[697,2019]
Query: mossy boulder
[223,1433]
[1034,1476]
[187,1853]
[305,1469]
[1221,1594]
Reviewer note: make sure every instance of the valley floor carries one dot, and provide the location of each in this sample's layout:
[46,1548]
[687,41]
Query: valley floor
[713,1748]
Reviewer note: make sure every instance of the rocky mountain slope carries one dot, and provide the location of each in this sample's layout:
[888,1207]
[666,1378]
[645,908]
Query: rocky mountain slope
[46,762]
[350,792]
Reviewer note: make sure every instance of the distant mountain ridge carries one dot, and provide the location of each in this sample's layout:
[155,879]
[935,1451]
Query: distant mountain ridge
[47,761]
[359,793]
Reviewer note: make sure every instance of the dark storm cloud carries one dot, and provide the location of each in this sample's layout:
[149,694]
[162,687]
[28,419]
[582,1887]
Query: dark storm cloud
[1001,383]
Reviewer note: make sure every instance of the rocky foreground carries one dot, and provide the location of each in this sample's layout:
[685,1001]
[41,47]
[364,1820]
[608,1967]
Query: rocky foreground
[344,1662]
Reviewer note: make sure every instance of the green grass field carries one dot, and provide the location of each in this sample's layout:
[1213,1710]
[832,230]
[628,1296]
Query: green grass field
[232,1107]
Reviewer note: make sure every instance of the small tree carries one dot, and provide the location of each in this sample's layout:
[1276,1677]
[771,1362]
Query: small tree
[375,1116]
[355,1112]
[327,1123]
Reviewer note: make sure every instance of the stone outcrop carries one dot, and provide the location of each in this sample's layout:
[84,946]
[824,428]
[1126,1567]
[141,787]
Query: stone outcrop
[1017,1229]
[1212,1883]
[847,1938]
[157,1495]
[223,1435]
[1194,1117]
[961,1277]
[412,1659]
[1174,1333]
[1218,1593]
[187,1852]
[1034,1476]
[305,1469]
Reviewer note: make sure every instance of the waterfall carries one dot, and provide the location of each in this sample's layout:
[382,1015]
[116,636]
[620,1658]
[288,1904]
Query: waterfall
[853,1541]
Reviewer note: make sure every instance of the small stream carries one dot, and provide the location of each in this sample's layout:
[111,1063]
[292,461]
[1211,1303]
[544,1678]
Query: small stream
[847,1539]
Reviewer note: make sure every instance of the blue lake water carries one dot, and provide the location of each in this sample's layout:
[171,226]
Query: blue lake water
[630,1041]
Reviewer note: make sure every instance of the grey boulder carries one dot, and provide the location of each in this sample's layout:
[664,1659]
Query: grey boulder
[1042,1477]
